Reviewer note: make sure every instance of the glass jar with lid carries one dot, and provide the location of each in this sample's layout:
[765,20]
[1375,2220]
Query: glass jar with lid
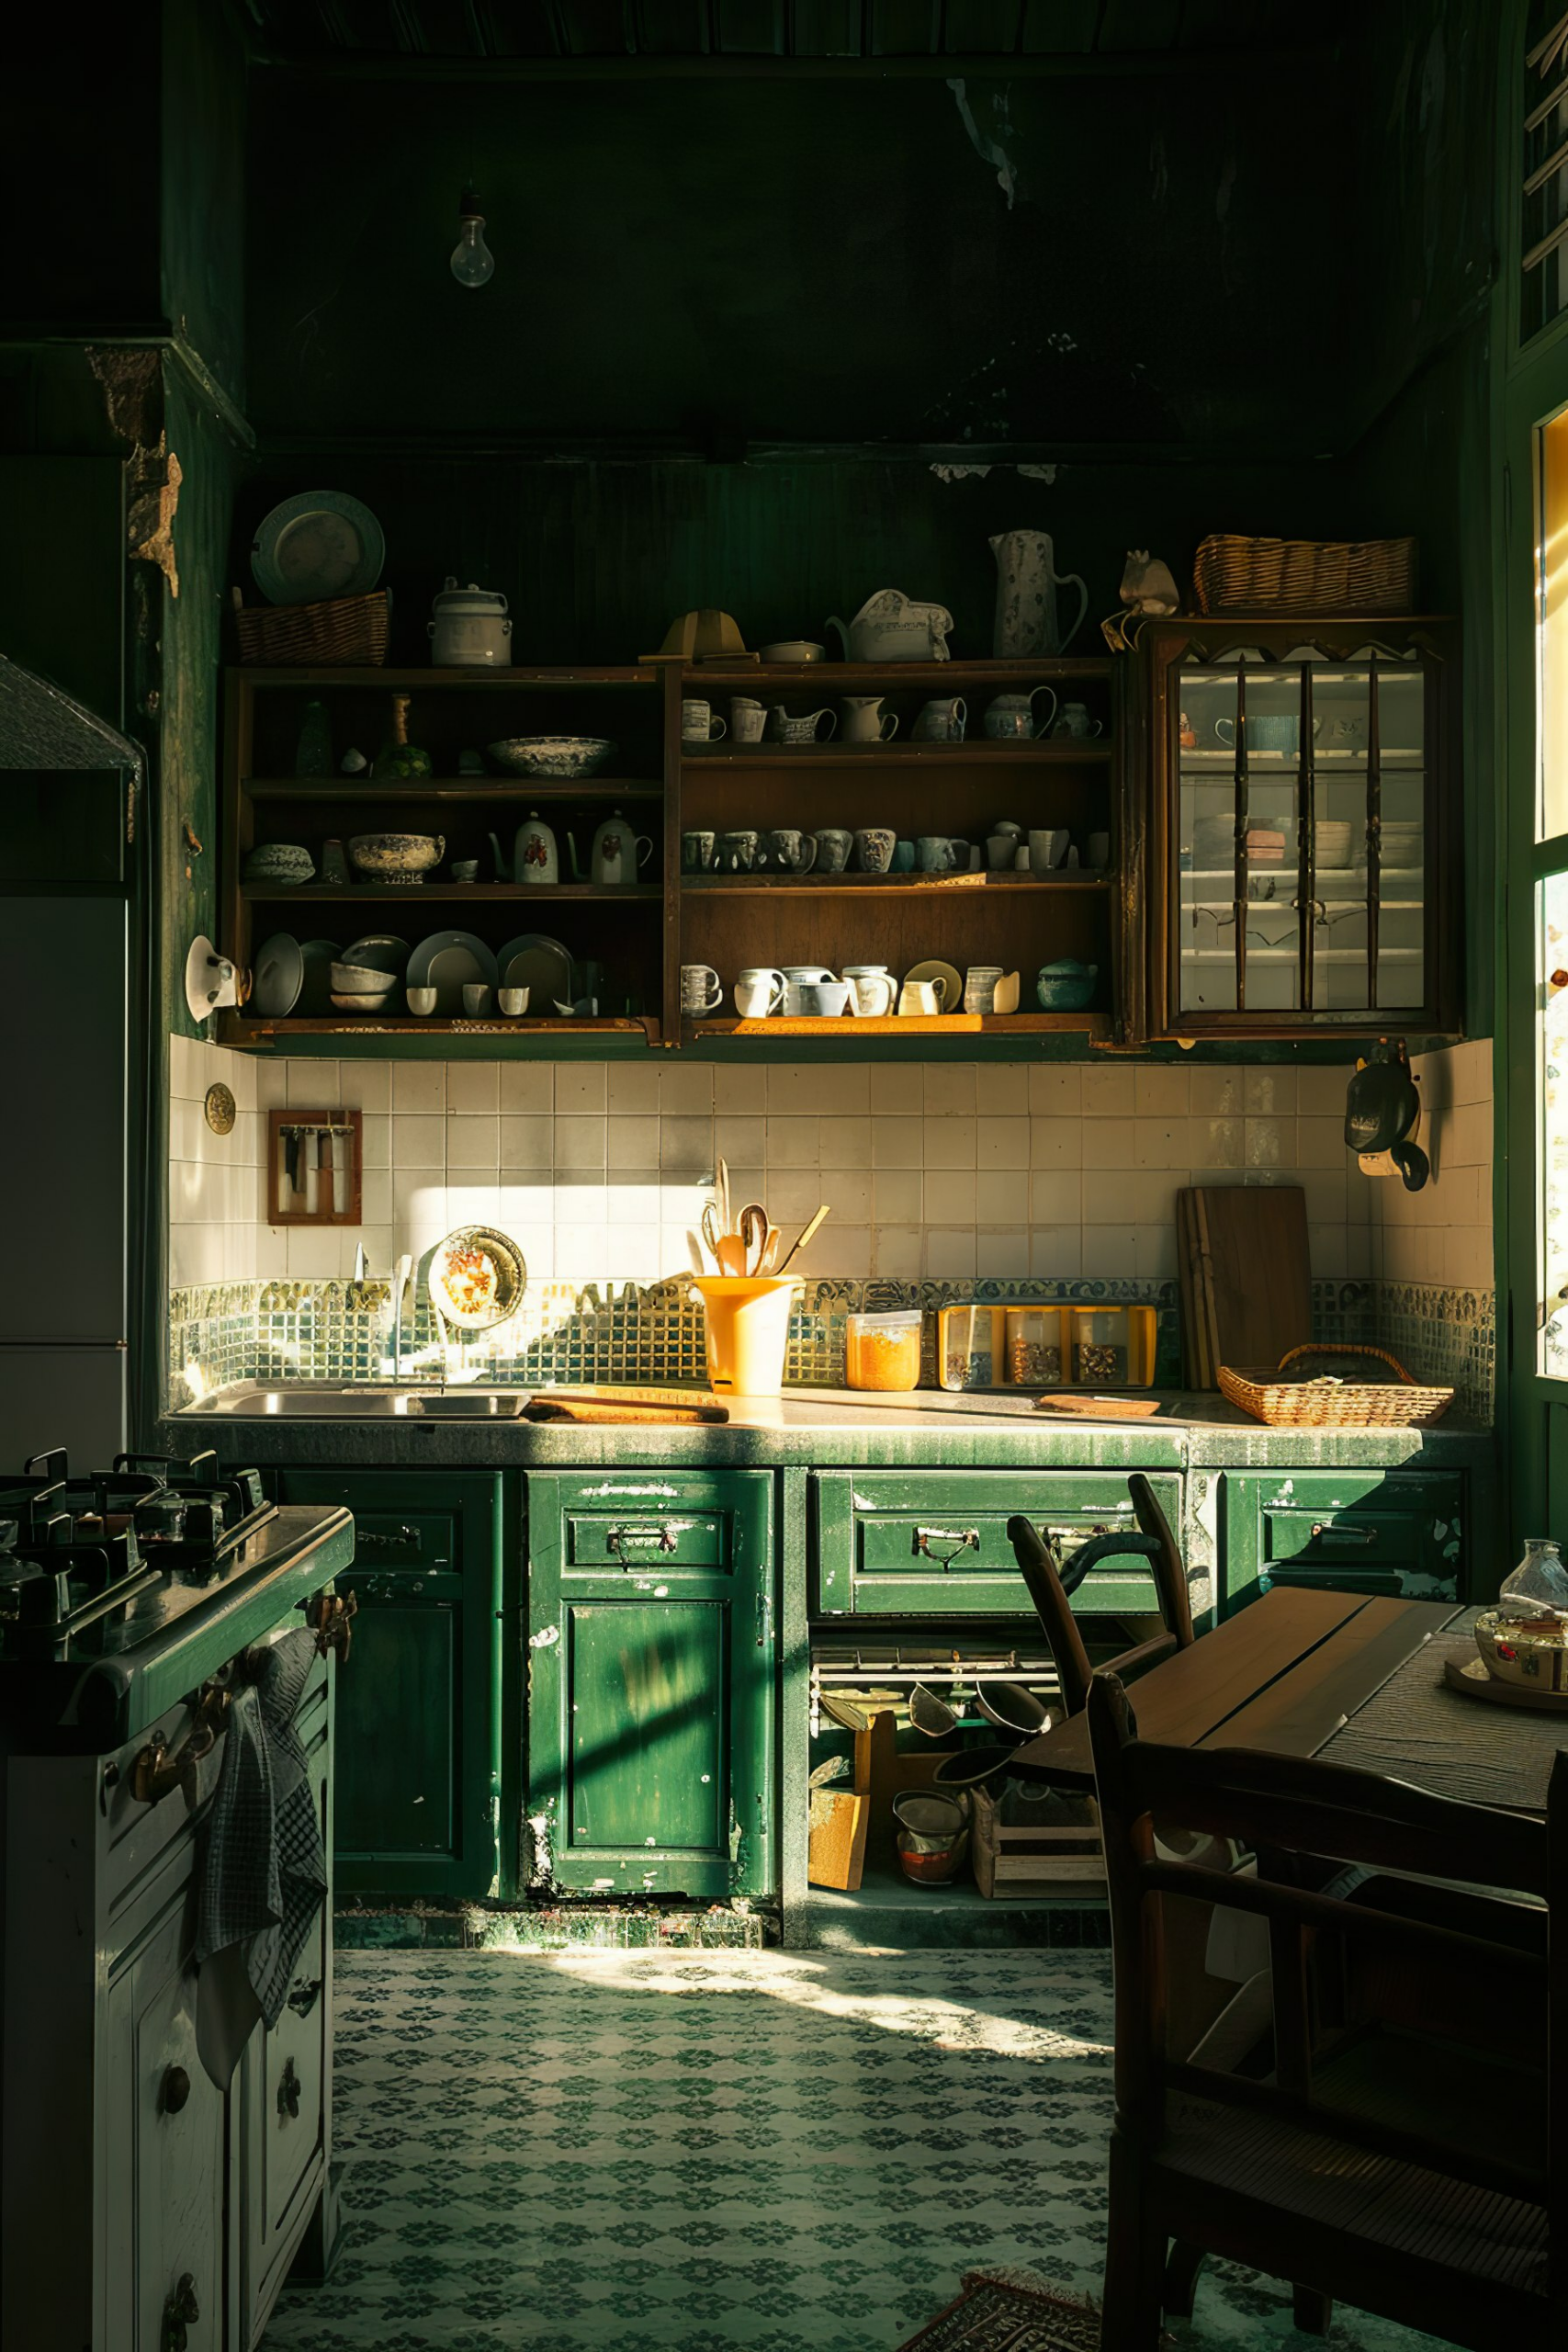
[883,1351]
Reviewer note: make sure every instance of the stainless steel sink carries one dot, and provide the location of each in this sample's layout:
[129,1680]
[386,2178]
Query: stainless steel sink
[305,1400]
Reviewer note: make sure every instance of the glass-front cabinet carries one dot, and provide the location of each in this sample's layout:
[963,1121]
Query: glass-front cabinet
[1299,868]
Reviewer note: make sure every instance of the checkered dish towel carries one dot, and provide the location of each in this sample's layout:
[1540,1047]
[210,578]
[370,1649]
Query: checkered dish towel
[264,1867]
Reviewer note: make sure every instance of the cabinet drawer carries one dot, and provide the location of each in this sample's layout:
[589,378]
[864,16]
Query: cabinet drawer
[1379,1532]
[935,1544]
[641,1541]
[682,1527]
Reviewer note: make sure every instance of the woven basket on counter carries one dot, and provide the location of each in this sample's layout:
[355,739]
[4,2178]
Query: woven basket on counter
[1300,1399]
[344,633]
[1231,575]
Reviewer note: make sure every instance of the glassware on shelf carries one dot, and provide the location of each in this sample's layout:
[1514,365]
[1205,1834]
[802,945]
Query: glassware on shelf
[1113,1347]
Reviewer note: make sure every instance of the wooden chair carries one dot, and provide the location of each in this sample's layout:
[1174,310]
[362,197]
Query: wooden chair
[1316,2132]
[1050,1583]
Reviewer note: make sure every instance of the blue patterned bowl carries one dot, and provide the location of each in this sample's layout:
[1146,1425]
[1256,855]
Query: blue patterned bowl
[563,755]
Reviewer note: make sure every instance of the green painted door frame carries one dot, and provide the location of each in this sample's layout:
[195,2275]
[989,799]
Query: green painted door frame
[1530,388]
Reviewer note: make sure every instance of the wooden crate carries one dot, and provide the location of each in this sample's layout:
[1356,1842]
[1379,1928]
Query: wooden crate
[1060,1855]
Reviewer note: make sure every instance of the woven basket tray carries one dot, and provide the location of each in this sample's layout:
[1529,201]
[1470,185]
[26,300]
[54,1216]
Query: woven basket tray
[1313,1402]
[1231,575]
[344,633]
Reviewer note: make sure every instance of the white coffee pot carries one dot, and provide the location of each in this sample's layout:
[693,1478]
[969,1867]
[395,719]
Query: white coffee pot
[617,852]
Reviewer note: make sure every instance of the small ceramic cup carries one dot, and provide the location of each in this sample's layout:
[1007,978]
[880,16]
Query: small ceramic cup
[924,995]
[941,854]
[833,847]
[760,992]
[999,850]
[980,983]
[464,869]
[824,1000]
[421,1002]
[737,852]
[700,723]
[873,990]
[788,850]
[696,853]
[873,848]
[1021,859]
[748,720]
[514,1002]
[1047,849]
[940,721]
[702,990]
[476,1000]
[797,732]
[903,858]
[1076,722]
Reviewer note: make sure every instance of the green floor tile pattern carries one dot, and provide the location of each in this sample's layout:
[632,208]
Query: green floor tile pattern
[788,2152]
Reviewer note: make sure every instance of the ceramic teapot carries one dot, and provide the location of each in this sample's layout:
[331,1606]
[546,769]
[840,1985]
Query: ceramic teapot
[535,856]
[617,852]
[890,628]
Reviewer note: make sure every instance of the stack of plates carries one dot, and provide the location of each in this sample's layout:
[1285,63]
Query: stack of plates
[1265,847]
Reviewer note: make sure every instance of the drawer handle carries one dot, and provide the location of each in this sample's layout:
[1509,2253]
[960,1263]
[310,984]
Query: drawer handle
[331,1618]
[367,1539]
[288,2092]
[179,2313]
[177,2090]
[303,1997]
[955,1540]
[1327,1533]
[160,1768]
[661,1536]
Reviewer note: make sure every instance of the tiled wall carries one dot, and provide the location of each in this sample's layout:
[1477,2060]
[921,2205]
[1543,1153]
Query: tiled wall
[600,1171]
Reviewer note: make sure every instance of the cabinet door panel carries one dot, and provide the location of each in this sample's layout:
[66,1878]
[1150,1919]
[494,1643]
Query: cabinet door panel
[648,1723]
[399,1720]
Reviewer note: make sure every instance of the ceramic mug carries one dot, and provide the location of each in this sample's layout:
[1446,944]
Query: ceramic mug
[792,851]
[924,995]
[1021,863]
[1047,849]
[1076,721]
[476,1000]
[940,721]
[696,853]
[1010,718]
[823,999]
[833,847]
[702,990]
[798,975]
[512,1002]
[796,732]
[873,990]
[980,984]
[793,648]
[1000,848]
[737,853]
[760,992]
[700,723]
[941,854]
[748,720]
[464,869]
[903,858]
[873,848]
[865,720]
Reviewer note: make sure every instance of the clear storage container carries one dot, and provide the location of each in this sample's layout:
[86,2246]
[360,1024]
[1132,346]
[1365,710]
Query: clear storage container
[969,1347]
[1034,1346]
[883,1351]
[1113,1347]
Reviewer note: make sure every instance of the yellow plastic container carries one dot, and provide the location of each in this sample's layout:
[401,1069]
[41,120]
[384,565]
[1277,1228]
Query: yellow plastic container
[747,1318]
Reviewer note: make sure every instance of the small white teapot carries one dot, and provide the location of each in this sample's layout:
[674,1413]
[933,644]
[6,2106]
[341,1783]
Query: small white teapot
[617,852]
[890,628]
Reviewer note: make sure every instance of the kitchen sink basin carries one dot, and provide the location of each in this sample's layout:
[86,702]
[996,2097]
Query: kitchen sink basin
[305,1401]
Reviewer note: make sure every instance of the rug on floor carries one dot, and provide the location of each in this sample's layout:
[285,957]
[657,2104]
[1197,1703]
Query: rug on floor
[996,2315]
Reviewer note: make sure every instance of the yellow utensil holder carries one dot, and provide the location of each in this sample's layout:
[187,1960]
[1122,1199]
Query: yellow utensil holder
[747,1328]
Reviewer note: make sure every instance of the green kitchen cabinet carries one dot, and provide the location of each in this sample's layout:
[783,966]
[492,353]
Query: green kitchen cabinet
[1391,1531]
[934,1542]
[650,1682]
[418,1792]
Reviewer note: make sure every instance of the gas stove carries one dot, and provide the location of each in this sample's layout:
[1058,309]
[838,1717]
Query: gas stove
[106,1578]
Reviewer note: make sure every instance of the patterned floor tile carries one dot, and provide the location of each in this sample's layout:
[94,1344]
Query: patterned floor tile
[594,2152]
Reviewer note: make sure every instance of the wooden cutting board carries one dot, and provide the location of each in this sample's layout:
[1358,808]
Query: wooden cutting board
[1252,1278]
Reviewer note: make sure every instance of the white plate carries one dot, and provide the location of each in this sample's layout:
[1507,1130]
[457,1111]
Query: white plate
[321,544]
[541,964]
[448,962]
[280,976]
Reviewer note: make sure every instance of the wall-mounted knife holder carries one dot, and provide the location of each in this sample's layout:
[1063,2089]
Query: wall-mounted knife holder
[314,1167]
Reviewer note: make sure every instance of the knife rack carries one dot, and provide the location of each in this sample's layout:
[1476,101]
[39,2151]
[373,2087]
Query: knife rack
[315,1163]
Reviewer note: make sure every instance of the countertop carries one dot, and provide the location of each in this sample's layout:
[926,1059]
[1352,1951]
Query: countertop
[828,1427]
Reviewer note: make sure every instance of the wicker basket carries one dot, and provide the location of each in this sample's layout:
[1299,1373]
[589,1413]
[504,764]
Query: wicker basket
[344,633]
[1309,1402]
[1237,575]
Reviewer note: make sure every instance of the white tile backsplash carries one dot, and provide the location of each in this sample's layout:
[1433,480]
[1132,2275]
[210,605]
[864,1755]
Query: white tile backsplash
[602,1170]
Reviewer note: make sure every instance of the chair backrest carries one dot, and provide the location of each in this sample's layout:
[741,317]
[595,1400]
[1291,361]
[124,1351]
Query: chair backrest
[1050,1583]
[1298,1807]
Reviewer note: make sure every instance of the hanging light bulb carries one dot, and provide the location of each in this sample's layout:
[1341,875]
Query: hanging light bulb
[473,264]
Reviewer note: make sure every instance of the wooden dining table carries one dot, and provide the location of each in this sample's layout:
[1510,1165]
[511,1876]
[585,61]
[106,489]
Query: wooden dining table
[1348,1678]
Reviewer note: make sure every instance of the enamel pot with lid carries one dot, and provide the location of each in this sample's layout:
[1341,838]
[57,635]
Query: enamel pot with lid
[469,628]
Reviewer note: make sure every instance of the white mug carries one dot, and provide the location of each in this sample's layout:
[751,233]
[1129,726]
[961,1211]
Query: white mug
[980,984]
[700,723]
[924,995]
[759,992]
[702,990]
[1076,721]
[747,719]
[873,990]
[942,721]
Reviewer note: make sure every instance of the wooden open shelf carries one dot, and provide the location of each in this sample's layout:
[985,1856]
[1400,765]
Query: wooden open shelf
[913,1024]
[897,754]
[243,1029]
[717,679]
[922,885]
[530,678]
[444,894]
[480,788]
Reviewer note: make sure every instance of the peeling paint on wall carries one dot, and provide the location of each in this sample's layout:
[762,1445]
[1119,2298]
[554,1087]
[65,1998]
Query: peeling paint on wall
[132,386]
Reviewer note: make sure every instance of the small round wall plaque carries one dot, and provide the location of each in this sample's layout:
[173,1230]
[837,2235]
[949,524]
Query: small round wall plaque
[219,1108]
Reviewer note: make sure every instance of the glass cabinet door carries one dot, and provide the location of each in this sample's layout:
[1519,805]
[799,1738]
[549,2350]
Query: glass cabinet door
[1302,841]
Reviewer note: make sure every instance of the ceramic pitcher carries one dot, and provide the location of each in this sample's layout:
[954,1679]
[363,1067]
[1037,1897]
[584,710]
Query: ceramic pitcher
[1027,624]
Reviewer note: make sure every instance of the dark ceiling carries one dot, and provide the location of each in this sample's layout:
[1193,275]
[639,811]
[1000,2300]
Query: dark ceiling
[683,34]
